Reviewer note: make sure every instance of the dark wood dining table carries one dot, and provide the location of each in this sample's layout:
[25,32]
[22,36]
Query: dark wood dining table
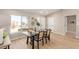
[31,34]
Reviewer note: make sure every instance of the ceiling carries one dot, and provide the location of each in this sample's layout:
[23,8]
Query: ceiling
[43,12]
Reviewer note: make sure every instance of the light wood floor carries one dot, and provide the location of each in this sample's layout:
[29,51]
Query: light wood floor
[57,42]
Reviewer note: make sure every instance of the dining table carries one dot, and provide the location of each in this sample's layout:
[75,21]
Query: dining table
[31,34]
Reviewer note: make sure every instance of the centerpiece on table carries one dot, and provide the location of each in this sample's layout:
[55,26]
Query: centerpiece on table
[35,24]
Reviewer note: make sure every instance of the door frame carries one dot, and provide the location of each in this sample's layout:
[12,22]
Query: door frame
[66,23]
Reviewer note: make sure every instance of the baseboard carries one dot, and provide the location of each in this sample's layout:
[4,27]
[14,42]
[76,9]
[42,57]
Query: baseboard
[59,33]
[70,31]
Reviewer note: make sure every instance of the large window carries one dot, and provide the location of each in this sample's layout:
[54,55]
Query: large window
[24,22]
[17,22]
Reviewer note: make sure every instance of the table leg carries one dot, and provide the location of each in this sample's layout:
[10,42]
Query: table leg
[8,47]
[27,40]
[38,44]
[32,42]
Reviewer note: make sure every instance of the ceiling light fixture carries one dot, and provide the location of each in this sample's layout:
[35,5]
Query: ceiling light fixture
[44,12]
[41,11]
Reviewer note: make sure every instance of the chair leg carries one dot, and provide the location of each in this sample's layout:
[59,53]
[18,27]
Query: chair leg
[42,42]
[32,41]
[8,47]
[38,44]
[27,40]
[49,38]
[45,40]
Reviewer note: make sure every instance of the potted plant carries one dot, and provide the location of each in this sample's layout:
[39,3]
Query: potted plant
[5,36]
[38,24]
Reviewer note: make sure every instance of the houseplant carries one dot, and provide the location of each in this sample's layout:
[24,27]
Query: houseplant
[5,34]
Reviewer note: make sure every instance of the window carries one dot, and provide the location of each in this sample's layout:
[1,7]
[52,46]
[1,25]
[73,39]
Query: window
[24,22]
[17,22]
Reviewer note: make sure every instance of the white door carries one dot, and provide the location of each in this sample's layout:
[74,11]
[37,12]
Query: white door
[50,23]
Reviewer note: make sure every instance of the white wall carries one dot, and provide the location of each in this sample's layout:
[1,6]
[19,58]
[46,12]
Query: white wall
[4,21]
[60,20]
[58,26]
[42,22]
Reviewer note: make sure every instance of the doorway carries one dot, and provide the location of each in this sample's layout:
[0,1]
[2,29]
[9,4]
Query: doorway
[71,26]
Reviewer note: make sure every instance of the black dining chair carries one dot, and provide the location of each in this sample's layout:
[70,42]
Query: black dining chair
[41,33]
[47,35]
[28,38]
[39,38]
[32,39]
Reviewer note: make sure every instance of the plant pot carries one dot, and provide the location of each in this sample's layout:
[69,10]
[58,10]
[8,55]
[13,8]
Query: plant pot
[6,40]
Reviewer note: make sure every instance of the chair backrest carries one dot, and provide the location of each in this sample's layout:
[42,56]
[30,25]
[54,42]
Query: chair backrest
[45,32]
[36,36]
[41,33]
[48,32]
